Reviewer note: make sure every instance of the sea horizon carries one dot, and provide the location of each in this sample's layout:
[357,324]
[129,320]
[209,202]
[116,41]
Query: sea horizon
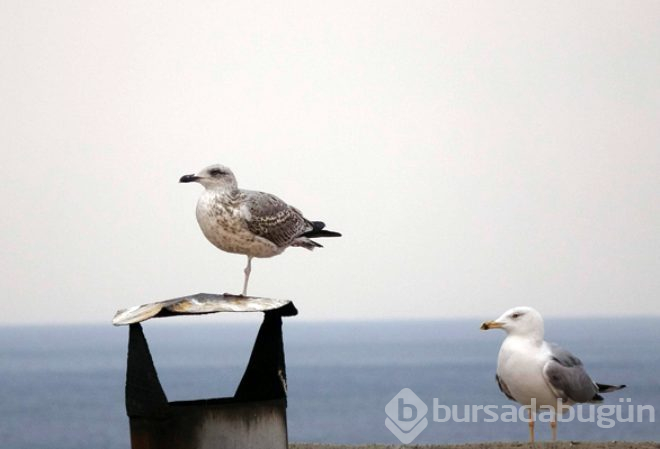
[246,316]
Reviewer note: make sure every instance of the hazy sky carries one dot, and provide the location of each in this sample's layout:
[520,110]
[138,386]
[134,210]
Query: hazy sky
[475,155]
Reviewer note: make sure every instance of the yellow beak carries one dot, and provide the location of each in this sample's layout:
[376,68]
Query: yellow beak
[491,325]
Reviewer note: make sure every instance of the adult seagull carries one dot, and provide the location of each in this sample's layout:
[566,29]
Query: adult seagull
[532,371]
[255,224]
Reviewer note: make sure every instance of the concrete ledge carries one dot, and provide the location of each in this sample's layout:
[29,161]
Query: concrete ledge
[503,445]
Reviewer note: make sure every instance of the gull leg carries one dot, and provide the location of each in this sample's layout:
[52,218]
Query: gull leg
[531,425]
[553,426]
[247,271]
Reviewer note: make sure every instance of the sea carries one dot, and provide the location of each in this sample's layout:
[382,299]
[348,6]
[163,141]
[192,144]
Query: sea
[63,386]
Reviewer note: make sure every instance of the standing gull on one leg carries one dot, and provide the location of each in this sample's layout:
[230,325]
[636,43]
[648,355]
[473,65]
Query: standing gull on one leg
[255,224]
[531,370]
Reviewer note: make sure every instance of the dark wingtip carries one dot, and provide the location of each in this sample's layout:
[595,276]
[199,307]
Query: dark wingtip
[322,233]
[319,231]
[604,388]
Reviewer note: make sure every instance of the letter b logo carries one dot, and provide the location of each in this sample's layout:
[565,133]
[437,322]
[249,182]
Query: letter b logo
[404,408]
[406,416]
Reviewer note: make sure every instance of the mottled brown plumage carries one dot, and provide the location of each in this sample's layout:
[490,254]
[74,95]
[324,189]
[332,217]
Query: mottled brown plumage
[273,219]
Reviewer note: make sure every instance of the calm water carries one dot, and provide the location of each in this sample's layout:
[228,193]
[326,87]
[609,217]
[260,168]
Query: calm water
[62,387]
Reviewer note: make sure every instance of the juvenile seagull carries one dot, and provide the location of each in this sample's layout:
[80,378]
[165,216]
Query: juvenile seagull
[255,224]
[529,367]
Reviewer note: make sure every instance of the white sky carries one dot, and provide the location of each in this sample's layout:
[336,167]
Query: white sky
[476,155]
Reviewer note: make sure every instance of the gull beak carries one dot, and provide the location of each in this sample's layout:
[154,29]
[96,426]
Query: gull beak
[189,178]
[487,325]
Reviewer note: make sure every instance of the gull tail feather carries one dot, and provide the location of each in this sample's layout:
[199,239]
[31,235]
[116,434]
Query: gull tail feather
[306,243]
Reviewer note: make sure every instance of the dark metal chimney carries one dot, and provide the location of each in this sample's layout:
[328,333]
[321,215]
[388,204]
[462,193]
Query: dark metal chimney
[254,418]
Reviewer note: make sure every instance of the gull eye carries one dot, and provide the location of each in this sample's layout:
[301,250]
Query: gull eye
[216,172]
[516,315]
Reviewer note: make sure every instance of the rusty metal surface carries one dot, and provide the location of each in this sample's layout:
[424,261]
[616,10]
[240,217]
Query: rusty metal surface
[200,303]
[198,425]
